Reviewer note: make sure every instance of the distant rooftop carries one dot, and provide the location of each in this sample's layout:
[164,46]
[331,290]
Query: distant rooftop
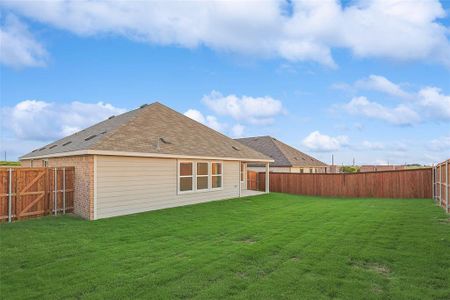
[282,154]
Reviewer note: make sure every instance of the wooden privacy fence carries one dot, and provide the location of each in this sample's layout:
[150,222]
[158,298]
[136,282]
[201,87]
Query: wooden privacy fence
[33,192]
[441,185]
[415,183]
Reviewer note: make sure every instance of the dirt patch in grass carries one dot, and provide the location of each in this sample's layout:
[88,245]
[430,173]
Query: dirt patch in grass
[444,221]
[246,240]
[376,289]
[372,267]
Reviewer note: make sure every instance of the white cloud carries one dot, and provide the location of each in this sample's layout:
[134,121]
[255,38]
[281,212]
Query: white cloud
[195,115]
[435,103]
[372,145]
[397,29]
[382,84]
[18,48]
[440,144]
[237,131]
[399,115]
[45,121]
[254,110]
[324,143]
[428,103]
[210,121]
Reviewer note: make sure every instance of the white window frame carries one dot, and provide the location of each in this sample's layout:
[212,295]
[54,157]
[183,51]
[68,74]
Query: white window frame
[194,176]
[207,176]
[221,176]
[186,176]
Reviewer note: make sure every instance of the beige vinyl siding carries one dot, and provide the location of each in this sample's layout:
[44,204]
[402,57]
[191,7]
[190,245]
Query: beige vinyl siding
[127,185]
[244,183]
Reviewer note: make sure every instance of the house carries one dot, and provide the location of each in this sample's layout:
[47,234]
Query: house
[286,158]
[378,168]
[149,158]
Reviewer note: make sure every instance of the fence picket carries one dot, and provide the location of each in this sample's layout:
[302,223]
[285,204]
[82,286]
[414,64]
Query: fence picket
[27,192]
[385,184]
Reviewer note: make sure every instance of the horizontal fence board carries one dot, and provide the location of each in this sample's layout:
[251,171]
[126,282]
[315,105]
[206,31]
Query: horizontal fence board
[415,183]
[33,191]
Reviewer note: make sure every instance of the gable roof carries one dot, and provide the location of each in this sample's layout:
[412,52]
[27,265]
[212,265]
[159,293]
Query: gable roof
[150,129]
[283,154]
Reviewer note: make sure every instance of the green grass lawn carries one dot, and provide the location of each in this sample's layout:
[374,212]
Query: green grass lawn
[4,163]
[262,247]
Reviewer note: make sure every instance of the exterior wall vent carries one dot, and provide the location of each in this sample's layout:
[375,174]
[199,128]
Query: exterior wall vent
[90,137]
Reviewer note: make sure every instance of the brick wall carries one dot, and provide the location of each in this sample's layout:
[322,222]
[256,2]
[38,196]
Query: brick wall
[84,180]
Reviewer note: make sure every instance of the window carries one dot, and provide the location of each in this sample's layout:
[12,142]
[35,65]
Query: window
[242,171]
[198,176]
[186,176]
[202,176]
[216,175]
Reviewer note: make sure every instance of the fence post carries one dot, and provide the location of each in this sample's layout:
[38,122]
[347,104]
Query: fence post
[432,183]
[436,183]
[446,185]
[64,191]
[10,195]
[55,193]
[440,184]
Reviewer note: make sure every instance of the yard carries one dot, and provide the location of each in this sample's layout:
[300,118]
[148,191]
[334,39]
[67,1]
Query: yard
[269,246]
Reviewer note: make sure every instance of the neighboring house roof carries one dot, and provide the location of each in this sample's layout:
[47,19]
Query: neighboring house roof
[374,168]
[150,129]
[283,155]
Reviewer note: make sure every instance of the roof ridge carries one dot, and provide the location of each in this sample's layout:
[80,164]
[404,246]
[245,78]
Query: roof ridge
[136,131]
[109,134]
[295,149]
[208,128]
[163,109]
[254,137]
[272,140]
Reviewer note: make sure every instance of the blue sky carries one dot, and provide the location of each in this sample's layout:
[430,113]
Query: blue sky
[365,79]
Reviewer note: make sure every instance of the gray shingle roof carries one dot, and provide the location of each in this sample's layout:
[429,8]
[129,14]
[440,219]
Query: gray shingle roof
[282,154]
[153,128]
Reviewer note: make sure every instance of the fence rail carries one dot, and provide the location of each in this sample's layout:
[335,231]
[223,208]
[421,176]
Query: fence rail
[415,183]
[441,185]
[33,192]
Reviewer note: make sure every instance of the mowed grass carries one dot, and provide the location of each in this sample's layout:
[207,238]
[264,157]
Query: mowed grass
[264,247]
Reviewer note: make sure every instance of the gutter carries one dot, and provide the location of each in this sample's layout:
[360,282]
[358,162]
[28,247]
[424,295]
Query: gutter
[140,154]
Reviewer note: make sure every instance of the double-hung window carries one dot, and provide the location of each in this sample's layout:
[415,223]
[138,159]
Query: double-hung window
[198,176]
[186,177]
[202,176]
[216,175]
